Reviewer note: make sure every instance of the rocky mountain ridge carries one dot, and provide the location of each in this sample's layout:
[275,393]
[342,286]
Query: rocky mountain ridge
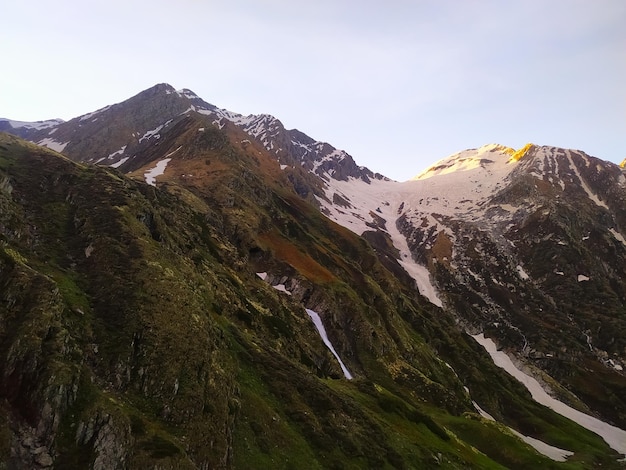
[115,134]
[524,246]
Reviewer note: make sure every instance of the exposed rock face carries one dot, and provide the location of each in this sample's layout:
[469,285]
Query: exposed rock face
[118,134]
[136,333]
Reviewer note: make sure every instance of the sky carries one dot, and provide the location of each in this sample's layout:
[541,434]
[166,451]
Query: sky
[398,84]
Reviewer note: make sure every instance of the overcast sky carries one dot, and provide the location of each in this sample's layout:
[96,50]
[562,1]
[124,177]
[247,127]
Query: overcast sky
[398,84]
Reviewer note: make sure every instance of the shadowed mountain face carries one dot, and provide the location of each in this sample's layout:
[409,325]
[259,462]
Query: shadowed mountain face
[159,286]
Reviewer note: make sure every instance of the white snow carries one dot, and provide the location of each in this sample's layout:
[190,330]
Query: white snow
[154,132]
[582,278]
[53,144]
[186,93]
[482,412]
[618,236]
[281,288]
[278,287]
[454,188]
[282,167]
[120,163]
[118,152]
[556,454]
[157,170]
[614,437]
[317,321]
[559,455]
[384,199]
[34,125]
[587,189]
[84,117]
[422,278]
[522,273]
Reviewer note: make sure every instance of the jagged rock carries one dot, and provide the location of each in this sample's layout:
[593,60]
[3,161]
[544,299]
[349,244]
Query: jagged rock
[158,347]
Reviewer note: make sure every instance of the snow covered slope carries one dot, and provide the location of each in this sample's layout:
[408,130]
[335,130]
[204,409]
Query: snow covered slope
[524,245]
[510,240]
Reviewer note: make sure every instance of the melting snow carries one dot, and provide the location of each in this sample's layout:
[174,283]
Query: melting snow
[84,117]
[53,144]
[322,331]
[614,437]
[383,198]
[34,125]
[588,190]
[556,454]
[154,132]
[618,236]
[118,152]
[281,288]
[186,93]
[158,170]
[120,163]
[522,273]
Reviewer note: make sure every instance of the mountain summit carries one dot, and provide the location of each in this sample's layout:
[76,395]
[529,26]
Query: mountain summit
[114,134]
[187,287]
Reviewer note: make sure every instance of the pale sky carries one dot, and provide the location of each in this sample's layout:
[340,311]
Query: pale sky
[397,84]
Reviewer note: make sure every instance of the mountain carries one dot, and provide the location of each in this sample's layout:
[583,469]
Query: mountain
[526,246]
[189,287]
[115,135]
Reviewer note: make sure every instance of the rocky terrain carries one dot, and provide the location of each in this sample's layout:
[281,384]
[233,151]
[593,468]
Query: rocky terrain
[186,287]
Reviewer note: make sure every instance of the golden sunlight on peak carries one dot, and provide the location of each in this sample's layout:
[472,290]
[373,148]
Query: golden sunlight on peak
[521,152]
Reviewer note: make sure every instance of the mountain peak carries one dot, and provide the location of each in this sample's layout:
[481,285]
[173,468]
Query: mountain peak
[483,157]
[187,93]
[519,154]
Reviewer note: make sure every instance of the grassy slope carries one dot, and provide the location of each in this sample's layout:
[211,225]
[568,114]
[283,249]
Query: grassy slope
[130,312]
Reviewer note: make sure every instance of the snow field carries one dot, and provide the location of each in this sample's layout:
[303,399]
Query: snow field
[613,436]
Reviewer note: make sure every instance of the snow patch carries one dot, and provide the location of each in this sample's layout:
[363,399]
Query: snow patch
[587,189]
[84,117]
[384,198]
[118,152]
[618,236]
[522,273]
[34,125]
[614,436]
[281,288]
[120,163]
[154,132]
[582,278]
[556,454]
[53,144]
[317,321]
[158,170]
